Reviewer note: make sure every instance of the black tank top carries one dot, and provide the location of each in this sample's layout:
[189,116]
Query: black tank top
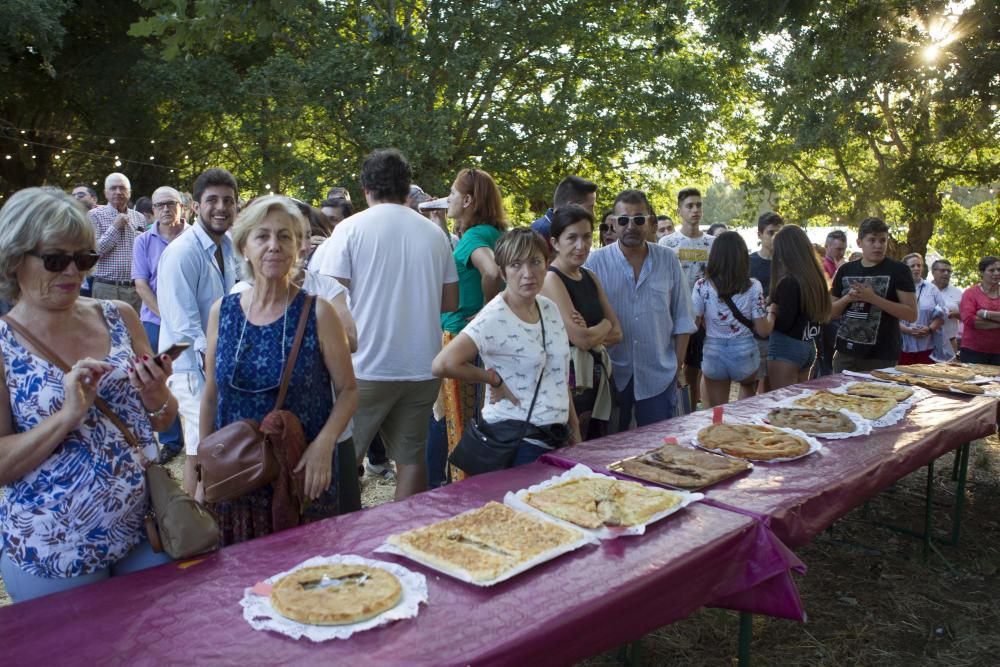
[583,294]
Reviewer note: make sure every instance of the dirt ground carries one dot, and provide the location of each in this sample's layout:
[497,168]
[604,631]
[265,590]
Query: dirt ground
[871,597]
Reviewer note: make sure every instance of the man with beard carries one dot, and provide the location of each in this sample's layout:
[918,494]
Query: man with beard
[197,269]
[115,228]
[649,292]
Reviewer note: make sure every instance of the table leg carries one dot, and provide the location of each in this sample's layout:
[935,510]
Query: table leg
[746,634]
[630,654]
[962,459]
[928,509]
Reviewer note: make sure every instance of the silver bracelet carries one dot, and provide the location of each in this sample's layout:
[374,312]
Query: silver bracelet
[159,411]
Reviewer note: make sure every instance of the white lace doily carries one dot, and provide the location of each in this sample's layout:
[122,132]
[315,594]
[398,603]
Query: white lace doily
[990,388]
[888,419]
[258,612]
[861,425]
[518,502]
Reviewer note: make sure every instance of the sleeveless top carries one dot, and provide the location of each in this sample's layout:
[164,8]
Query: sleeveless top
[83,508]
[248,372]
[583,293]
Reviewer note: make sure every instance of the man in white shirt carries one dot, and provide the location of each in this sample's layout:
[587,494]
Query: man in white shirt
[941,274]
[398,267]
[692,247]
[196,269]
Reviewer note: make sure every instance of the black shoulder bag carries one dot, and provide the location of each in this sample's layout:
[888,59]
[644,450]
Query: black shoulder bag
[479,450]
[740,317]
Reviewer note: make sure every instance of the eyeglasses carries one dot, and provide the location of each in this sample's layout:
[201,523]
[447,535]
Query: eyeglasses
[604,227]
[939,270]
[637,220]
[57,262]
[166,204]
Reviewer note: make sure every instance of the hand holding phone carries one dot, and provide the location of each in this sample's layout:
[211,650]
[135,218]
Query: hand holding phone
[173,352]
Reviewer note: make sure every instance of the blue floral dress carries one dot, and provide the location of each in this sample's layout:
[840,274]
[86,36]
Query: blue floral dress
[83,508]
[247,375]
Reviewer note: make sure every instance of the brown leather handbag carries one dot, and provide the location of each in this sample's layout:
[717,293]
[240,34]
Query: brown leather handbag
[176,523]
[239,458]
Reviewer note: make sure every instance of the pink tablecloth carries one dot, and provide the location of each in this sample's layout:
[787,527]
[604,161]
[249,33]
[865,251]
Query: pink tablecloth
[801,498]
[572,607]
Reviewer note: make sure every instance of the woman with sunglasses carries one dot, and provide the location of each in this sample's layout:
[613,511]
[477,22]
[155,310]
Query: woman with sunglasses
[608,229]
[589,319]
[250,335]
[731,305]
[74,500]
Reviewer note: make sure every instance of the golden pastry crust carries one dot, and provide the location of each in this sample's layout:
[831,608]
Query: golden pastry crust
[484,543]
[815,420]
[943,371]
[879,390]
[594,502]
[934,384]
[751,441]
[682,467]
[866,406]
[336,594]
[986,370]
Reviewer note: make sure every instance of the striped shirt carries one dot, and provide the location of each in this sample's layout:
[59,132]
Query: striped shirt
[651,310]
[114,245]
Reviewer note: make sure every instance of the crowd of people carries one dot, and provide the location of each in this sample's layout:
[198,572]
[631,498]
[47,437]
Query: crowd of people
[181,315]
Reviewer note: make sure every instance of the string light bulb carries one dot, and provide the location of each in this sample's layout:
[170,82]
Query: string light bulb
[111,141]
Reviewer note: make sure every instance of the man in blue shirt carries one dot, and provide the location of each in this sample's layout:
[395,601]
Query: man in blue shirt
[196,270]
[649,292]
[571,190]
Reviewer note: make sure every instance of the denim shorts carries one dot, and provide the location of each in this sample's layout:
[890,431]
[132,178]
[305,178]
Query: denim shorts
[799,353]
[733,359]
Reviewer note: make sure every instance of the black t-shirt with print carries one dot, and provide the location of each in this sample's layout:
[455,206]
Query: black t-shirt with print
[865,330]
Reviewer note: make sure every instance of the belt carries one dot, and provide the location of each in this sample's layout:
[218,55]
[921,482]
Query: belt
[117,283]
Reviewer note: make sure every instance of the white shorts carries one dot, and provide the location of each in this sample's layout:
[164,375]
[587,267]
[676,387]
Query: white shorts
[186,387]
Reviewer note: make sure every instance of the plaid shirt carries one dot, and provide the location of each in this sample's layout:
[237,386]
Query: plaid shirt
[114,245]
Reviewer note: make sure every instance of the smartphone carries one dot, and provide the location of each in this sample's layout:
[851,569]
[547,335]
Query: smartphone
[173,352]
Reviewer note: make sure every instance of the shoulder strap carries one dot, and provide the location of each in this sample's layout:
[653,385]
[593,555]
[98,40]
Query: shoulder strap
[286,375]
[99,402]
[739,315]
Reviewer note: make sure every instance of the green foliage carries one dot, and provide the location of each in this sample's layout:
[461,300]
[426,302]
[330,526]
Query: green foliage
[964,236]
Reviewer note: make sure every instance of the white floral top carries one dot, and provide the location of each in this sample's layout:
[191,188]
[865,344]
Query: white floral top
[83,508]
[719,320]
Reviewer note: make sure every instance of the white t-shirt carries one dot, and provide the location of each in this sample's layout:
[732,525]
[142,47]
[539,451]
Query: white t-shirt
[719,320]
[693,253]
[398,261]
[952,298]
[514,349]
[321,286]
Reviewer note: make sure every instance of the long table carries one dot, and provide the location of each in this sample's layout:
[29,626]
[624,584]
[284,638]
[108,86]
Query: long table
[577,605]
[799,499]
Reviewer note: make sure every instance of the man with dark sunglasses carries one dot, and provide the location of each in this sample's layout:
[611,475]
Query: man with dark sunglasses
[115,227]
[646,287]
[692,247]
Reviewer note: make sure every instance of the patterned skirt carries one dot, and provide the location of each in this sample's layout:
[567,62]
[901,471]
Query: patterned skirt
[459,400]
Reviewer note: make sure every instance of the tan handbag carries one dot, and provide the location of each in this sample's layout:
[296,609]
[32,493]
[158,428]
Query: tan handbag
[176,523]
[239,458]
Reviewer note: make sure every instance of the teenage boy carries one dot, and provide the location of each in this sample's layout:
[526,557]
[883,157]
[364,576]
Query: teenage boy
[760,268]
[692,247]
[871,295]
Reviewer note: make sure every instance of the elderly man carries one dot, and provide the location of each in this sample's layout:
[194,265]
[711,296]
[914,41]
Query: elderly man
[196,270]
[168,225]
[941,274]
[86,195]
[115,227]
[647,288]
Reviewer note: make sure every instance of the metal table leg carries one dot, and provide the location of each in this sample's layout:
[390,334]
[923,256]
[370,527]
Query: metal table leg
[746,634]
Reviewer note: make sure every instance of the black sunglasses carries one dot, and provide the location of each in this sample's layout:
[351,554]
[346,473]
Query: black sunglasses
[604,227]
[638,220]
[57,262]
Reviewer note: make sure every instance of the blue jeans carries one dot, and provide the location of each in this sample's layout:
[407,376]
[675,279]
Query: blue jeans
[437,453]
[172,439]
[23,586]
[648,410]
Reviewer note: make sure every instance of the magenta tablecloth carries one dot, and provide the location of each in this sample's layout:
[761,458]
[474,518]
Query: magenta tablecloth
[580,604]
[801,498]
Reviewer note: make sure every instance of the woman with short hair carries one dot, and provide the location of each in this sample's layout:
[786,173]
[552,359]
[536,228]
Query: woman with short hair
[918,336]
[519,352]
[731,305]
[74,500]
[250,335]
